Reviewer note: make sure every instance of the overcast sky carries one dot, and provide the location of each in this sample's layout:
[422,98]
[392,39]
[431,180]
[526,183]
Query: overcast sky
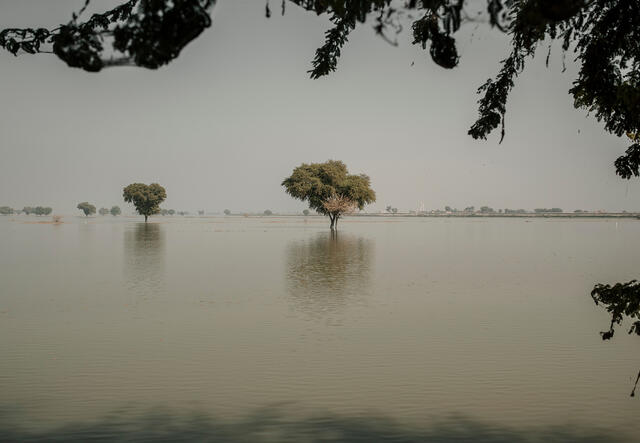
[226,122]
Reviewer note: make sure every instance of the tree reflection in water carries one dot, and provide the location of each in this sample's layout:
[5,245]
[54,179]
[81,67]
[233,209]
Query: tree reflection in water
[144,259]
[329,272]
[272,425]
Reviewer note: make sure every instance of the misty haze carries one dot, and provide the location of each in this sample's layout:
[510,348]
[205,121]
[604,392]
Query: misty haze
[249,220]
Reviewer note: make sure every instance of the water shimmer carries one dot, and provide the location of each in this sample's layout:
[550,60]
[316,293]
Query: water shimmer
[273,329]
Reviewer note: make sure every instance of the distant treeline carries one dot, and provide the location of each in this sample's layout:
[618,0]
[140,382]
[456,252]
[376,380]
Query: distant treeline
[490,210]
[38,210]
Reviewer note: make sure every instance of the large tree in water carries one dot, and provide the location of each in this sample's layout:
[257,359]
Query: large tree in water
[330,189]
[146,198]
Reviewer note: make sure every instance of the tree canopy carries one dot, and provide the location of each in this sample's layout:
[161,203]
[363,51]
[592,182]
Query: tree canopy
[322,184]
[87,208]
[603,34]
[145,198]
[115,210]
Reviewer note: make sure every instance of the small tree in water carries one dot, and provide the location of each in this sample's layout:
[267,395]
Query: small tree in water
[327,183]
[146,198]
[87,208]
[115,210]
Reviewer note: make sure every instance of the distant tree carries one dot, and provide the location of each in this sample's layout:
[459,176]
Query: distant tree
[267,212]
[305,212]
[103,211]
[172,211]
[547,210]
[28,210]
[448,209]
[329,182]
[388,208]
[227,212]
[486,210]
[394,210]
[578,211]
[87,208]
[470,209]
[6,210]
[164,212]
[115,210]
[145,198]
[201,212]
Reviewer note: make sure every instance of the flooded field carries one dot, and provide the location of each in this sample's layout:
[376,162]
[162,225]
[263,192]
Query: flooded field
[395,328]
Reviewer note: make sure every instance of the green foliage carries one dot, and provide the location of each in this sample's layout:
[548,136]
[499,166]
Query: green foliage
[41,210]
[103,211]
[115,210]
[267,212]
[172,211]
[6,210]
[227,212]
[315,183]
[145,198]
[87,208]
[305,212]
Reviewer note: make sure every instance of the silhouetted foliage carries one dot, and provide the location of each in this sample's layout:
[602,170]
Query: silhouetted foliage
[305,212]
[6,210]
[604,35]
[103,211]
[267,212]
[115,210]
[227,212]
[622,300]
[145,198]
[87,208]
[316,183]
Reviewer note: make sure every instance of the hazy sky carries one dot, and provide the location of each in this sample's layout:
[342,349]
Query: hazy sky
[222,125]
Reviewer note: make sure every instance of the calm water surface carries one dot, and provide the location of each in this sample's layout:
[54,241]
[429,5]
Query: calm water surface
[272,329]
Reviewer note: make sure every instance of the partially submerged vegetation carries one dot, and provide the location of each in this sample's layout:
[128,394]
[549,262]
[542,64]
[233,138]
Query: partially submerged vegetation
[329,189]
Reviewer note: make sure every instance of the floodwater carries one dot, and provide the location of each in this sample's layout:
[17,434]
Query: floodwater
[273,329]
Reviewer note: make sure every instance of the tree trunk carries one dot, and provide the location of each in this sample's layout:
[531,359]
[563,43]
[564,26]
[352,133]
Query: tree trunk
[332,218]
[336,222]
[145,218]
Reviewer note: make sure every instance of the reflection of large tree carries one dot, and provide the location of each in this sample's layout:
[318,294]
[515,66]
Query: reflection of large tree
[144,258]
[329,271]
